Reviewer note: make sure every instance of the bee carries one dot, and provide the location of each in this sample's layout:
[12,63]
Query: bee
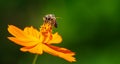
[51,19]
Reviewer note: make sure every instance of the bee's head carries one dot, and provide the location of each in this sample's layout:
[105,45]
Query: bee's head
[49,17]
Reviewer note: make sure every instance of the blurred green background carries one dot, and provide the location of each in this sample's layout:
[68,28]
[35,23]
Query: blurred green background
[91,28]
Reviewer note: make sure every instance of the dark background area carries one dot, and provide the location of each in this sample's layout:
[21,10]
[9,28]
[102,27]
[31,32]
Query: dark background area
[91,28]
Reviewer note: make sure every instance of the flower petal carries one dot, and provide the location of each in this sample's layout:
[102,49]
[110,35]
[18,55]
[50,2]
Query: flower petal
[32,32]
[56,38]
[15,31]
[60,52]
[23,42]
[36,49]
[28,37]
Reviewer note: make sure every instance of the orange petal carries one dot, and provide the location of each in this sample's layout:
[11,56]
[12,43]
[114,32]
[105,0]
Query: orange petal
[60,52]
[22,42]
[15,31]
[28,37]
[30,31]
[56,38]
[36,49]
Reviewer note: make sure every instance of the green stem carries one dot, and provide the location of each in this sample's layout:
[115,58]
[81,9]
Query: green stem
[35,59]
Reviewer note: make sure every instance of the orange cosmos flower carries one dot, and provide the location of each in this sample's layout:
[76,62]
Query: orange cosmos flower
[36,42]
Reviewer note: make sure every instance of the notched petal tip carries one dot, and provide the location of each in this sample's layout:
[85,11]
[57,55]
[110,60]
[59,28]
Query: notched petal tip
[9,25]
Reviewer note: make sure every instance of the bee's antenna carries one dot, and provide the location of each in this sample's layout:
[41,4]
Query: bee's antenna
[59,17]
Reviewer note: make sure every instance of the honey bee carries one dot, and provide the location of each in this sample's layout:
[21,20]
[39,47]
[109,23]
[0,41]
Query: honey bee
[51,19]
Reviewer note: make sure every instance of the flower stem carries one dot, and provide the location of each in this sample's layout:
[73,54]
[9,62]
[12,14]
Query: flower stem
[35,59]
